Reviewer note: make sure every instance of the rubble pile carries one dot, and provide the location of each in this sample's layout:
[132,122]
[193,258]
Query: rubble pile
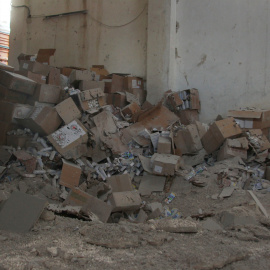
[86,143]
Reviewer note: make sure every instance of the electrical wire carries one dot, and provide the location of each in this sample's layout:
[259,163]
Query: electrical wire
[92,17]
[24,6]
[117,26]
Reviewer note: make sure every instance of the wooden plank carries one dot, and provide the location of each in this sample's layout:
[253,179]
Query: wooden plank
[258,203]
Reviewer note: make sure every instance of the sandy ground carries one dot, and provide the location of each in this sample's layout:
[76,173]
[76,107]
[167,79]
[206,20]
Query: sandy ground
[69,243]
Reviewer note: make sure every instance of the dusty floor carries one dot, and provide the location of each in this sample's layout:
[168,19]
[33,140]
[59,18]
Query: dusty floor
[68,243]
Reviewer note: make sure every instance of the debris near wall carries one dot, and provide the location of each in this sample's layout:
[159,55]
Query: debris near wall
[90,146]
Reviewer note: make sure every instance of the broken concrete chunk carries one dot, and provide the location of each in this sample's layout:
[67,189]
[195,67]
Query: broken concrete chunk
[70,175]
[226,192]
[125,201]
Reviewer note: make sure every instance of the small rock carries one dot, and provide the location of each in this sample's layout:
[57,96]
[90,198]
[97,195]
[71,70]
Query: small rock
[47,215]
[3,238]
[200,211]
[215,196]
[53,251]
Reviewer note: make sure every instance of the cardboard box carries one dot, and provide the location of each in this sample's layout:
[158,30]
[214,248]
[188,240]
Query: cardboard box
[99,72]
[174,101]
[70,175]
[54,77]
[9,112]
[131,109]
[12,96]
[131,83]
[164,145]
[191,99]
[17,82]
[69,140]
[43,119]
[89,84]
[218,132]
[6,67]
[188,140]
[188,117]
[35,67]
[27,57]
[91,206]
[233,148]
[5,127]
[92,100]
[165,164]
[117,84]
[46,93]
[125,201]
[68,110]
[80,75]
[252,119]
[66,71]
[38,78]
[260,138]
[44,56]
[119,100]
[17,140]
[140,94]
[120,183]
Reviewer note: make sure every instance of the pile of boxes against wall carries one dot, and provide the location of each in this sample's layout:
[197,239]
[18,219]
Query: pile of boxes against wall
[94,140]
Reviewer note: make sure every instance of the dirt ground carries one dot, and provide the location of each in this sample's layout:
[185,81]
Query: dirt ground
[69,243]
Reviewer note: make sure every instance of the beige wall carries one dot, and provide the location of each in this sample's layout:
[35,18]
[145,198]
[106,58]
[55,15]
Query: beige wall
[79,40]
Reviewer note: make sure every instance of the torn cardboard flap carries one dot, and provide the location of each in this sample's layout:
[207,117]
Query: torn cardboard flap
[70,175]
[44,55]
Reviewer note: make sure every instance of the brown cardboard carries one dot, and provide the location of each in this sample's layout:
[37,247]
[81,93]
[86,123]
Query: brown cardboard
[42,119]
[80,75]
[6,67]
[89,84]
[35,67]
[117,83]
[165,164]
[38,78]
[151,183]
[202,128]
[131,83]
[91,206]
[68,110]
[70,175]
[125,201]
[17,140]
[119,100]
[70,140]
[233,148]
[131,109]
[120,183]
[54,77]
[193,98]
[17,82]
[66,71]
[267,173]
[256,119]
[92,100]
[174,101]
[261,139]
[10,112]
[27,57]
[164,145]
[47,93]
[187,140]
[188,117]
[12,96]
[44,56]
[5,127]
[218,132]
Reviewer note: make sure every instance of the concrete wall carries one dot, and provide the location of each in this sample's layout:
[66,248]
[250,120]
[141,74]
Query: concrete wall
[79,40]
[224,50]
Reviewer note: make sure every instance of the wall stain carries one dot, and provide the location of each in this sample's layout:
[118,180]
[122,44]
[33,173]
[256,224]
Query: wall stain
[203,59]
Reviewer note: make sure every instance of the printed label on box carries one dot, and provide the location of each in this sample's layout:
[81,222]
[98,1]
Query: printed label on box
[68,134]
[134,83]
[25,66]
[43,78]
[158,169]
